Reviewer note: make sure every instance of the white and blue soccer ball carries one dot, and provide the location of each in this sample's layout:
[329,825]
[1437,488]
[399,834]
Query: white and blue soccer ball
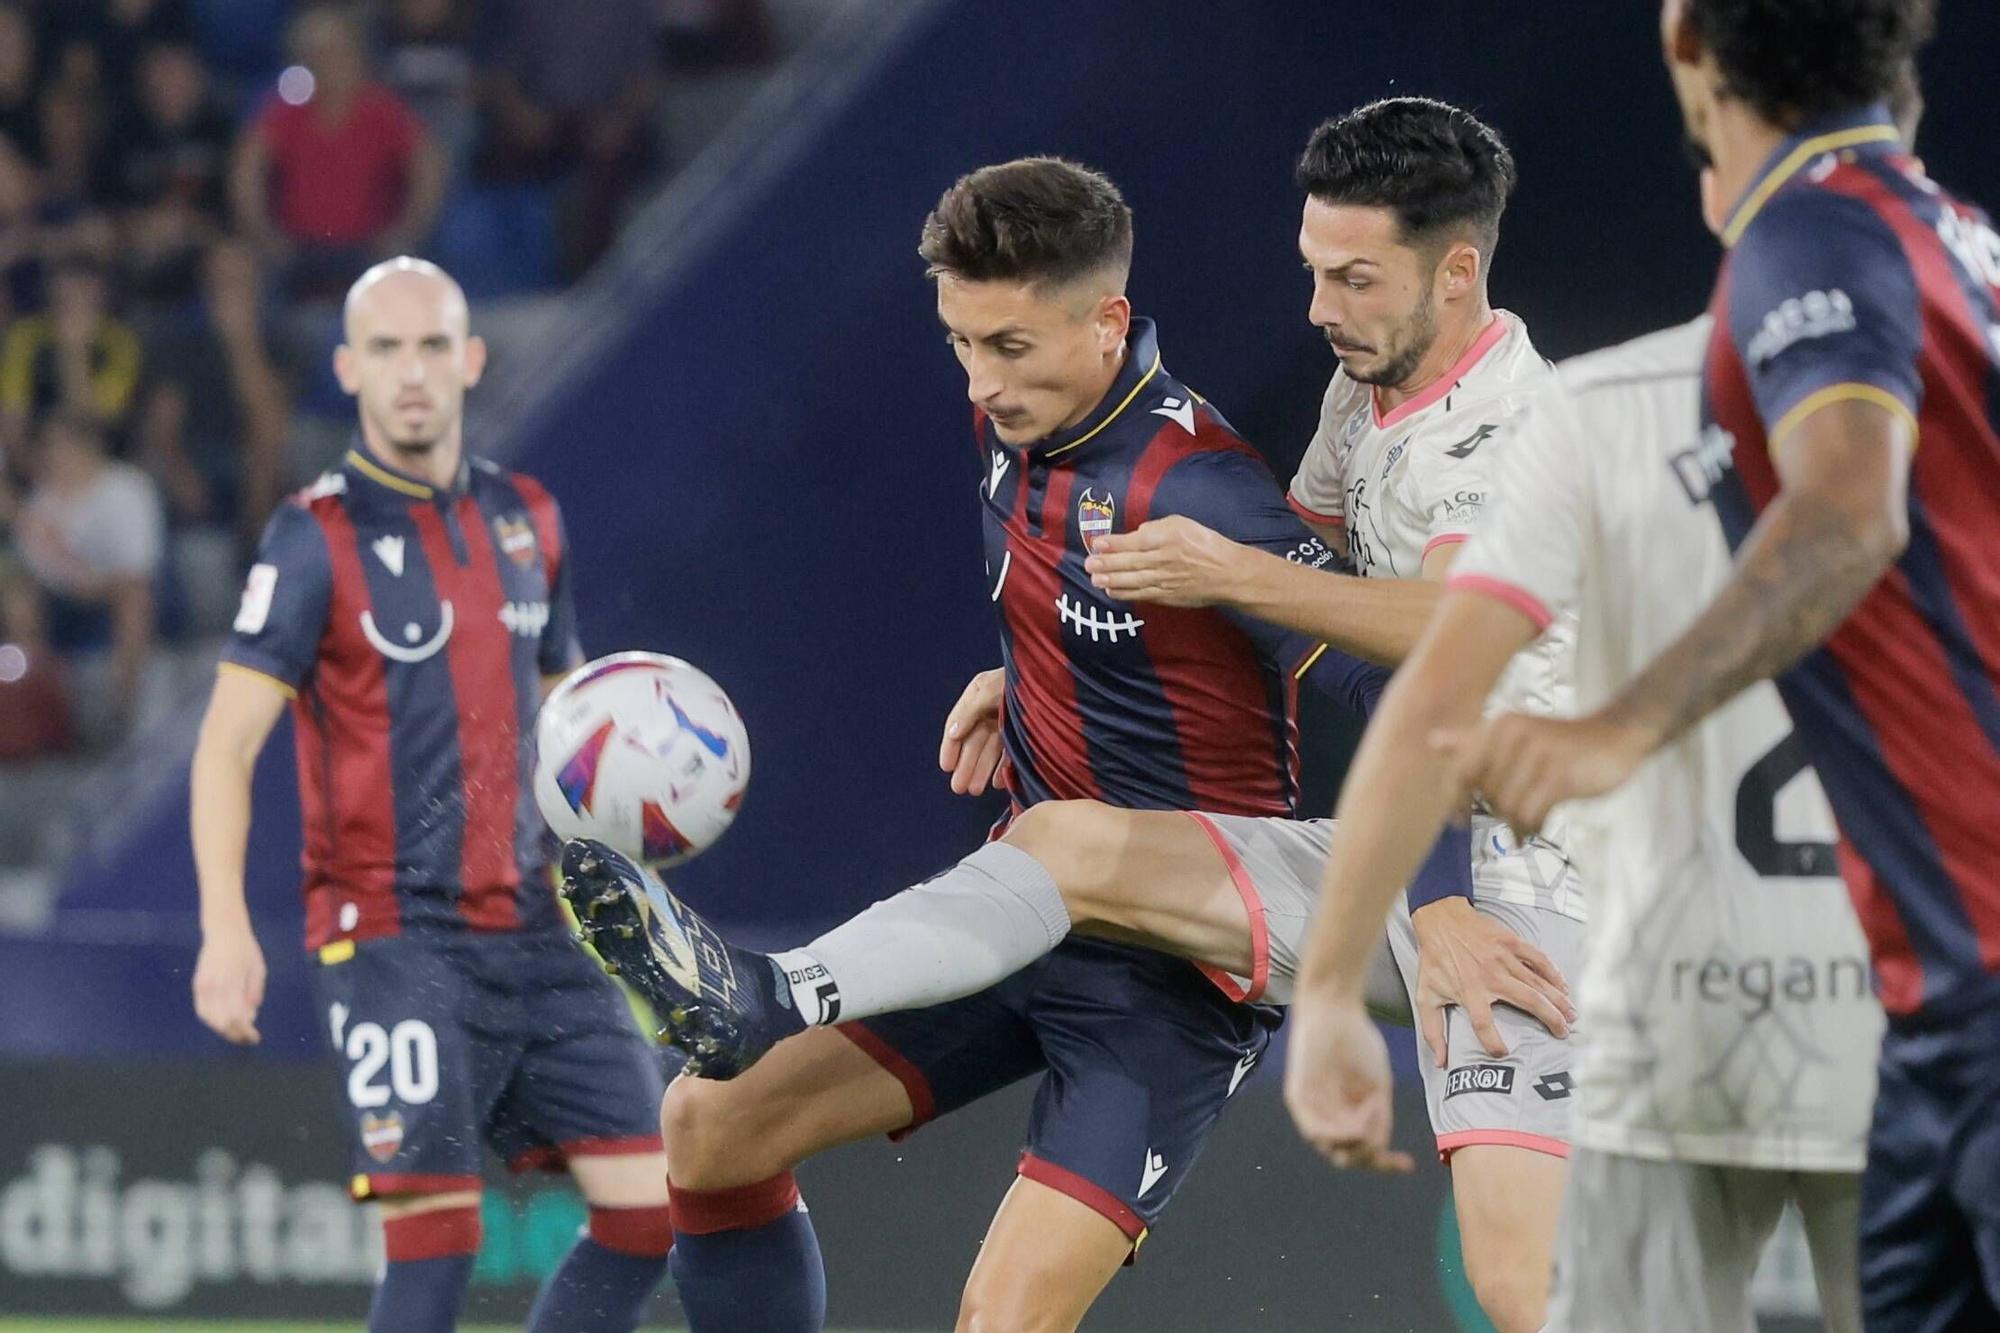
[644,753]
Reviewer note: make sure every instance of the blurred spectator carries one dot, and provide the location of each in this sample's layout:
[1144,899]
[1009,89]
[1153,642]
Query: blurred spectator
[20,119]
[89,538]
[335,171]
[427,59]
[76,358]
[20,236]
[168,172]
[100,44]
[715,34]
[212,426]
[71,137]
[573,99]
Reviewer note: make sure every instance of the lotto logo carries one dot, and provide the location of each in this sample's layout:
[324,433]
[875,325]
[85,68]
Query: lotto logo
[1554,1087]
[1479,1078]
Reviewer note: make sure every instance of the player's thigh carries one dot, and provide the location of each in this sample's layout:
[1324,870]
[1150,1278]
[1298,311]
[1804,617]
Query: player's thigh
[1154,877]
[628,1180]
[1044,1261]
[1508,1201]
[1645,1235]
[415,1079]
[1829,1204]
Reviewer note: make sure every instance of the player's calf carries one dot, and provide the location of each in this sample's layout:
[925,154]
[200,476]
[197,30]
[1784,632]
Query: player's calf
[429,1244]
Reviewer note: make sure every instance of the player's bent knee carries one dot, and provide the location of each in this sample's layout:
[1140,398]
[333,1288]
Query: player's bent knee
[1017,1303]
[1076,842]
[714,1138]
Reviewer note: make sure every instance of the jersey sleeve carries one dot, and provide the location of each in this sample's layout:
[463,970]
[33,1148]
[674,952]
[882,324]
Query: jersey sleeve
[1231,492]
[1823,305]
[286,597]
[1529,548]
[561,648]
[1451,467]
[1316,494]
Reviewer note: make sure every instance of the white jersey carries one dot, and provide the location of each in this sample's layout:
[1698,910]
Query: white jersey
[1725,1001]
[1402,483]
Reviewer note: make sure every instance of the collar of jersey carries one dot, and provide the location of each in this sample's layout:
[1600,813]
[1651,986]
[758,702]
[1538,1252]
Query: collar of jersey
[1867,128]
[360,463]
[1142,364]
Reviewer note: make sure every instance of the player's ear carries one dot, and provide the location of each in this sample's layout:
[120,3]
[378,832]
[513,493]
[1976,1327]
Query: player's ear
[1114,322]
[345,370]
[475,359]
[1460,271]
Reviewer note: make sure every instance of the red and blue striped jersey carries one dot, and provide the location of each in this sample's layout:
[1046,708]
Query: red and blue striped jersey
[1851,275]
[412,627]
[1143,706]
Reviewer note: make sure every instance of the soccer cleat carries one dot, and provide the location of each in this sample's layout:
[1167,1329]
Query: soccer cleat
[722,1005]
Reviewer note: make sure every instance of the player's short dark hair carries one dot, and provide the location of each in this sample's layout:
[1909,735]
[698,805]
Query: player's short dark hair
[1035,219]
[1444,171]
[1793,60]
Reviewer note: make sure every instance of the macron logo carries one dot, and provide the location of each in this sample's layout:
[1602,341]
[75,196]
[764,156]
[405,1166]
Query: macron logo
[999,470]
[1180,411]
[389,550]
[1156,1166]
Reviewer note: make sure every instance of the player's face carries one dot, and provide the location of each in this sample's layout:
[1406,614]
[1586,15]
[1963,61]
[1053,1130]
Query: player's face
[1035,358]
[1372,294]
[408,360]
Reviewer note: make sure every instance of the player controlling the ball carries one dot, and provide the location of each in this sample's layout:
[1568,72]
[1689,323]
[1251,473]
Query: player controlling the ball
[408,606]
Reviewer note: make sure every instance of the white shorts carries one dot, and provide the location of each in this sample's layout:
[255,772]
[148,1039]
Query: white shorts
[1685,1236]
[1523,1099]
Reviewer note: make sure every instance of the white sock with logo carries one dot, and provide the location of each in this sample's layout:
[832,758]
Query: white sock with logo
[977,924]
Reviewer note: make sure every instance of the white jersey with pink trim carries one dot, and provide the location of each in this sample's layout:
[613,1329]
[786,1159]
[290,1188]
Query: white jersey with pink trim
[1401,484]
[1725,994]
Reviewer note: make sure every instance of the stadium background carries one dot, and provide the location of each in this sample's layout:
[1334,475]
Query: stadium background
[747,412]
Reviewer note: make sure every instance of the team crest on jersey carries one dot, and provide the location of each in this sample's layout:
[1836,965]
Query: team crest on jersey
[1094,516]
[516,538]
[382,1135]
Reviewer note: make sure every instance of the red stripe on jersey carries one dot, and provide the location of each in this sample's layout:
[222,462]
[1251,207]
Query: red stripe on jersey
[1211,677]
[1899,976]
[347,784]
[1955,768]
[542,513]
[480,656]
[1042,680]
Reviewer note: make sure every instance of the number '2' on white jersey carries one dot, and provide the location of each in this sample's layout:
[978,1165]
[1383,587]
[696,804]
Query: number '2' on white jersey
[1725,1005]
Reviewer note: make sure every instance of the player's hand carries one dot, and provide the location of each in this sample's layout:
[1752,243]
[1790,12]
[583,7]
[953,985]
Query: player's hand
[229,983]
[1174,561]
[1523,767]
[1337,1085]
[971,751]
[1466,958]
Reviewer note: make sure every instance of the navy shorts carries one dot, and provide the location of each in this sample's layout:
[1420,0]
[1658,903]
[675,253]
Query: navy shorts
[1138,1050]
[517,1042]
[1930,1198]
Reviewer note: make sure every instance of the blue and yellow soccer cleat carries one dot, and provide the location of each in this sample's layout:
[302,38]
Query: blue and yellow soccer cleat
[722,1005]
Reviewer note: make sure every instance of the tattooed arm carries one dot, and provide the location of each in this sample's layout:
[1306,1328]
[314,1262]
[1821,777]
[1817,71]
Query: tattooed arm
[1839,521]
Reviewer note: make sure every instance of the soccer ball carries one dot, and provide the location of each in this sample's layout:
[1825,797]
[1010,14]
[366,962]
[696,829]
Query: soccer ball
[644,753]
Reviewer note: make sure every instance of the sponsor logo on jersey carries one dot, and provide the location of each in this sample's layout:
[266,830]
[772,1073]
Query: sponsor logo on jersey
[1800,319]
[1700,467]
[1155,1168]
[1554,1087]
[1393,457]
[1478,1078]
[255,609]
[1095,515]
[382,1135]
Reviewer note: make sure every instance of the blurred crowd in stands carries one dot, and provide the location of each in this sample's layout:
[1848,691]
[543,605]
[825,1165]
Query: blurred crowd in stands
[187,187]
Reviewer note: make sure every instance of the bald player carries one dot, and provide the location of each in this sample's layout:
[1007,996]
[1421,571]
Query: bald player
[410,607]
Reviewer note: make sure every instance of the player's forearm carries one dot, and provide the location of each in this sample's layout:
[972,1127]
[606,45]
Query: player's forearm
[1808,562]
[1396,798]
[220,824]
[1376,619]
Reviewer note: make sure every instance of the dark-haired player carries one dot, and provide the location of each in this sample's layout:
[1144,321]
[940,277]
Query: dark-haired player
[1113,717]
[409,606]
[1854,450]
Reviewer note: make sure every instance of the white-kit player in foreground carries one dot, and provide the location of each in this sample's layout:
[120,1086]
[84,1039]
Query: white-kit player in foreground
[1731,1028]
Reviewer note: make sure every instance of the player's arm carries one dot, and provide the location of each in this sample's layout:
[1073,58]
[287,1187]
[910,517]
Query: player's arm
[229,974]
[272,648]
[1179,562]
[1838,388]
